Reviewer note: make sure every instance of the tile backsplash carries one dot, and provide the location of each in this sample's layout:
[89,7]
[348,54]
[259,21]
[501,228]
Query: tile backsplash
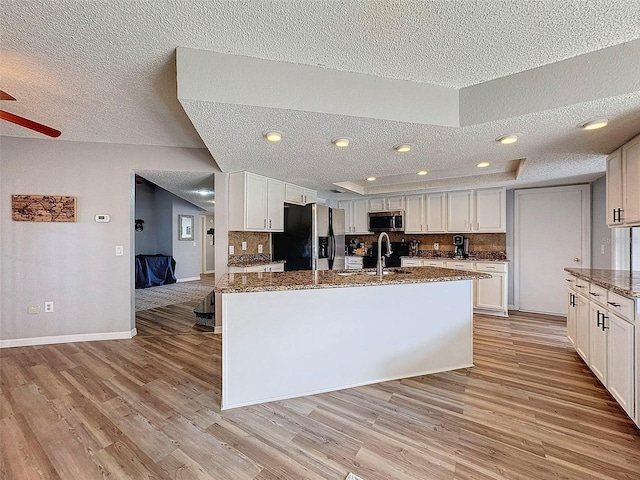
[478,242]
[253,239]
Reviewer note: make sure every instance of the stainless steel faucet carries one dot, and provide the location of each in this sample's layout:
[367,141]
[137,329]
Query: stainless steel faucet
[380,264]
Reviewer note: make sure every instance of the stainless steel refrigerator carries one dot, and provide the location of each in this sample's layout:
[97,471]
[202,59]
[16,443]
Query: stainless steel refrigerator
[313,238]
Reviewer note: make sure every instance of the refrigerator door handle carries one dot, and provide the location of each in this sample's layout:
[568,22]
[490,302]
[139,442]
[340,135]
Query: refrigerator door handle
[332,241]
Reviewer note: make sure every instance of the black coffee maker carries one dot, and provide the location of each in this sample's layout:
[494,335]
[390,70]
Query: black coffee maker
[460,246]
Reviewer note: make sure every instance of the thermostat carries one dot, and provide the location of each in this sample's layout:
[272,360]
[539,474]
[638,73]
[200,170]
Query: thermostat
[102,217]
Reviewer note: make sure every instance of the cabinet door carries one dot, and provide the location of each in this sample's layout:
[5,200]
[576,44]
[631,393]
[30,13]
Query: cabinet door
[293,194]
[620,361]
[255,202]
[436,212]
[414,220]
[631,182]
[377,205]
[310,196]
[490,210]
[395,203]
[571,317]
[348,215]
[459,209]
[360,217]
[490,292]
[582,327]
[597,343]
[614,188]
[410,262]
[275,202]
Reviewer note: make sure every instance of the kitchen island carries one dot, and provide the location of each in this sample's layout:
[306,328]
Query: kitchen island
[290,334]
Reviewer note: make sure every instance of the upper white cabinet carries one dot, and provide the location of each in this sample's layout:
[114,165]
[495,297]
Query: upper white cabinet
[623,185]
[299,195]
[614,188]
[425,213]
[477,211]
[631,181]
[256,203]
[384,204]
[356,216]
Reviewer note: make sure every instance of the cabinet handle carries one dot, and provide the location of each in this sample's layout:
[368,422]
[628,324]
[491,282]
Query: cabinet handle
[567,280]
[594,294]
[604,327]
[579,286]
[598,319]
[489,267]
[269,223]
[614,304]
[264,223]
[572,300]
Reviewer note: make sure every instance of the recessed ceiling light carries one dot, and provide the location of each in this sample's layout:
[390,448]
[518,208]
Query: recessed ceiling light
[403,147]
[371,179]
[594,124]
[340,142]
[273,136]
[483,164]
[422,172]
[507,139]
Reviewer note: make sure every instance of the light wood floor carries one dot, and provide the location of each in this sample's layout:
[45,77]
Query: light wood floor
[149,408]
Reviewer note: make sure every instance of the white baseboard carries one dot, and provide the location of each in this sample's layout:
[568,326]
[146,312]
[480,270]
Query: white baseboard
[189,279]
[210,271]
[217,329]
[83,337]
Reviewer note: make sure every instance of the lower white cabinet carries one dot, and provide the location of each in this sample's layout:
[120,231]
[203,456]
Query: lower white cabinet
[489,294]
[353,262]
[601,325]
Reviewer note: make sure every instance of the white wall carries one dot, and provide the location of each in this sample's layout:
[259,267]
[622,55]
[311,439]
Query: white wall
[186,253]
[74,264]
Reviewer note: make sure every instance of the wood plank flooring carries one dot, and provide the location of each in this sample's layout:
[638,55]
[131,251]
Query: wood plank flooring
[149,408]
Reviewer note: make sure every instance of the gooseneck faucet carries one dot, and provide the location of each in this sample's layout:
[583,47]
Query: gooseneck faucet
[380,265]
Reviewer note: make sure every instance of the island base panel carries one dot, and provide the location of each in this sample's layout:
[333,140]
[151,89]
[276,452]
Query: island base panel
[286,344]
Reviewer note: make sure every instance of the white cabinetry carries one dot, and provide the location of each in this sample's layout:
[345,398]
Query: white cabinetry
[256,203]
[356,216]
[425,213]
[631,181]
[299,195]
[614,188]
[623,181]
[459,211]
[476,211]
[270,267]
[489,294]
[605,333]
[384,204]
[420,262]
[353,262]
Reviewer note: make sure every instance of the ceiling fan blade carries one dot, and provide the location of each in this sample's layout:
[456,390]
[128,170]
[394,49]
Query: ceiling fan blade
[5,96]
[25,122]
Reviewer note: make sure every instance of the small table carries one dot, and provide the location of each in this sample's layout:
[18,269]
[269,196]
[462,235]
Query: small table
[205,312]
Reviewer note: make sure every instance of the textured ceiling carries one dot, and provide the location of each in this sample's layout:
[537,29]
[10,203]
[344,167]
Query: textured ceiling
[105,72]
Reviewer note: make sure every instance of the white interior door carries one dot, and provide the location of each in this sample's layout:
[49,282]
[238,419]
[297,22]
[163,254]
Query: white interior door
[551,231]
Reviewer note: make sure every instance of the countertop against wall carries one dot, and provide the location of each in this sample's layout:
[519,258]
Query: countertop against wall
[624,282]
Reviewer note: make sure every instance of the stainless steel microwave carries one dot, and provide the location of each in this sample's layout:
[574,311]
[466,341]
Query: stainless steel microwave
[386,221]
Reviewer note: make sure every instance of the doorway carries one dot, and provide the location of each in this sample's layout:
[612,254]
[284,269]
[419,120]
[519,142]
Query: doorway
[551,231]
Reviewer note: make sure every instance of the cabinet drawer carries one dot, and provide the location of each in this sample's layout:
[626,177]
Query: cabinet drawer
[460,265]
[581,286]
[432,263]
[491,267]
[411,262]
[598,294]
[622,306]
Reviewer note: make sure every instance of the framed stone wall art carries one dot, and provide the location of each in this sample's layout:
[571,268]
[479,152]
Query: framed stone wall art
[43,208]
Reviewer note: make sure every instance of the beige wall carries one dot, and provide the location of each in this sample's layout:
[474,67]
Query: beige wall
[74,264]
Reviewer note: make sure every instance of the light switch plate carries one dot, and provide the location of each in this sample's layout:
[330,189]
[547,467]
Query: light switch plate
[259,248]
[119,250]
[436,246]
[231,249]
[244,245]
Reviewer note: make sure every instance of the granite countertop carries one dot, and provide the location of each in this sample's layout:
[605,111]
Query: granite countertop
[453,259]
[251,263]
[307,279]
[623,282]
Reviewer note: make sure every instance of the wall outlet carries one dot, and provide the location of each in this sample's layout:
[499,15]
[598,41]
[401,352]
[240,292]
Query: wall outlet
[244,245]
[436,246]
[231,250]
[48,307]
[259,248]
[33,309]
[119,250]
